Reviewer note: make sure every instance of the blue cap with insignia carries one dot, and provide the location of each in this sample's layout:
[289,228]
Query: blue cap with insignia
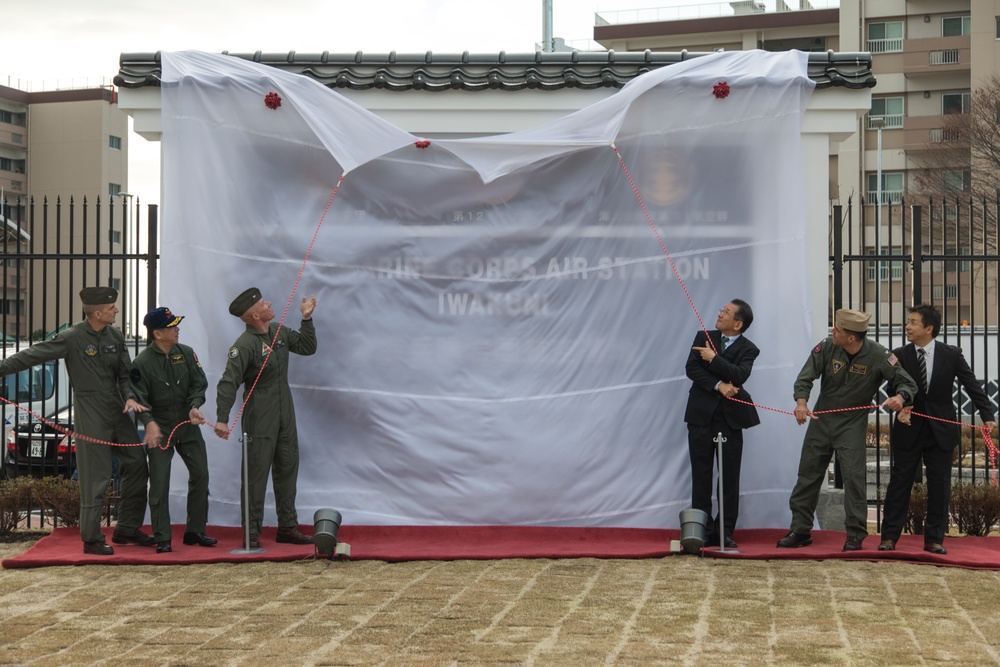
[161,318]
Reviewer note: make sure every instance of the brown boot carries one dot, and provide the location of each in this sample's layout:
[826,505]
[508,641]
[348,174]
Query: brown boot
[292,536]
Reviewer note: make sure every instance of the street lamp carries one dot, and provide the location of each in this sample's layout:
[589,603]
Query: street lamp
[878,122]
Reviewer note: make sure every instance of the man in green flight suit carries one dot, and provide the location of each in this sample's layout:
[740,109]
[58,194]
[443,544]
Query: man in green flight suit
[98,365]
[851,369]
[167,378]
[269,416]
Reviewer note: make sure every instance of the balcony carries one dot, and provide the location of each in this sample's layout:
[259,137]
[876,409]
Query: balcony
[927,133]
[936,55]
[694,10]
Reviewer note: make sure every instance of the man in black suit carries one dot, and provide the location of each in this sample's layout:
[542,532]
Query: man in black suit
[935,367]
[718,372]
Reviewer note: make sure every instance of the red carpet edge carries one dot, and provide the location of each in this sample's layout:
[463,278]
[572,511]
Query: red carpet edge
[406,543]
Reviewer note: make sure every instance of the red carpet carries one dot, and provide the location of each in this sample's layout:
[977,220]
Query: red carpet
[402,543]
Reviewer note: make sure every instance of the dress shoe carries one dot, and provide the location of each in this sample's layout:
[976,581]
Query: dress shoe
[854,544]
[292,536]
[98,548]
[793,539]
[201,539]
[138,538]
[935,548]
[714,542]
[163,547]
[887,545]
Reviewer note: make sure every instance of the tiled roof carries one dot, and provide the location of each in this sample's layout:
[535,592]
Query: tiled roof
[478,71]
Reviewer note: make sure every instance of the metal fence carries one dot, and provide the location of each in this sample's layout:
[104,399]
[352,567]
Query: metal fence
[50,250]
[941,251]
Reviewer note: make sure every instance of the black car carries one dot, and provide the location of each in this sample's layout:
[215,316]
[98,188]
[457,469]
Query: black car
[39,449]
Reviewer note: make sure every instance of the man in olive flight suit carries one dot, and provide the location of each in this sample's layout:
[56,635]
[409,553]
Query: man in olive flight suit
[269,417]
[851,369]
[168,379]
[98,365]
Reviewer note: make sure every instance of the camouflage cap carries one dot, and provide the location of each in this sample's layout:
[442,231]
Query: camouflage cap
[852,320]
[98,296]
[244,301]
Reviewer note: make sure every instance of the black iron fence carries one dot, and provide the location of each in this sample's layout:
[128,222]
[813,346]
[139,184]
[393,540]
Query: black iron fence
[50,250]
[941,251]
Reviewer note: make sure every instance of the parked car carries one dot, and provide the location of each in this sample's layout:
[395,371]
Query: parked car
[39,449]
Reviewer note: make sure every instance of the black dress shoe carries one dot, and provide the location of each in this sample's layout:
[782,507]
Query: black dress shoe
[163,547]
[887,545]
[98,548]
[934,548]
[854,544]
[793,539]
[292,536]
[201,539]
[731,543]
[138,538]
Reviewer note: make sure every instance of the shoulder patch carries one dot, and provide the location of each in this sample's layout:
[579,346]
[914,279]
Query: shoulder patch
[892,359]
[233,353]
[818,348]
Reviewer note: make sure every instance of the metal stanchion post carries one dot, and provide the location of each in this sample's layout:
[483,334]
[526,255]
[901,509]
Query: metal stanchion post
[246,505]
[719,440]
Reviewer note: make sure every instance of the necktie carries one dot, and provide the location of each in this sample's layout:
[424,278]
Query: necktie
[725,343]
[922,363]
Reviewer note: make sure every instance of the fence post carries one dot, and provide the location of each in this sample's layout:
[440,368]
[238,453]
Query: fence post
[152,256]
[838,257]
[916,250]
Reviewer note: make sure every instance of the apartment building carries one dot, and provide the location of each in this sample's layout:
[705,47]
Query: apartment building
[928,57]
[56,145]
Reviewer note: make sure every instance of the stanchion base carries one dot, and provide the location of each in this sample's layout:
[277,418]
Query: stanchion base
[241,552]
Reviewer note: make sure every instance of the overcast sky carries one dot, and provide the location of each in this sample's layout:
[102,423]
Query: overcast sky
[74,43]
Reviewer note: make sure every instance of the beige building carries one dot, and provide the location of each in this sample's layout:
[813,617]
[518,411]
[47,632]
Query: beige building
[57,146]
[928,57]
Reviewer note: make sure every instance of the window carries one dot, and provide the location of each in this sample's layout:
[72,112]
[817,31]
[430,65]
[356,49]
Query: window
[956,103]
[885,37]
[114,236]
[116,283]
[114,189]
[12,117]
[889,108]
[998,27]
[944,292]
[892,187]
[114,142]
[939,134]
[889,270]
[956,26]
[35,384]
[958,181]
[946,57]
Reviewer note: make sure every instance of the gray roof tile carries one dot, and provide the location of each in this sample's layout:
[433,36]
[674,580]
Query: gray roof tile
[479,71]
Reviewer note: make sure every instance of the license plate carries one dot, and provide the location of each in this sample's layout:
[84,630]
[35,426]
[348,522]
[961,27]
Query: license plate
[37,450]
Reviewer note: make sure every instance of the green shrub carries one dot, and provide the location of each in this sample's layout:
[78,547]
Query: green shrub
[975,507]
[15,503]
[60,498]
[916,513]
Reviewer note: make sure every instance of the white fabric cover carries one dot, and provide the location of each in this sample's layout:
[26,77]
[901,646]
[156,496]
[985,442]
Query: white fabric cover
[502,339]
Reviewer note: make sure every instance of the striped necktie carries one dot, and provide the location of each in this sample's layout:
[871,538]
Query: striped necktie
[725,343]
[922,362]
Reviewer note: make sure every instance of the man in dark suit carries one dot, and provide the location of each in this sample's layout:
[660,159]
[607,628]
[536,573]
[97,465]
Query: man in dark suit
[935,367]
[718,372]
